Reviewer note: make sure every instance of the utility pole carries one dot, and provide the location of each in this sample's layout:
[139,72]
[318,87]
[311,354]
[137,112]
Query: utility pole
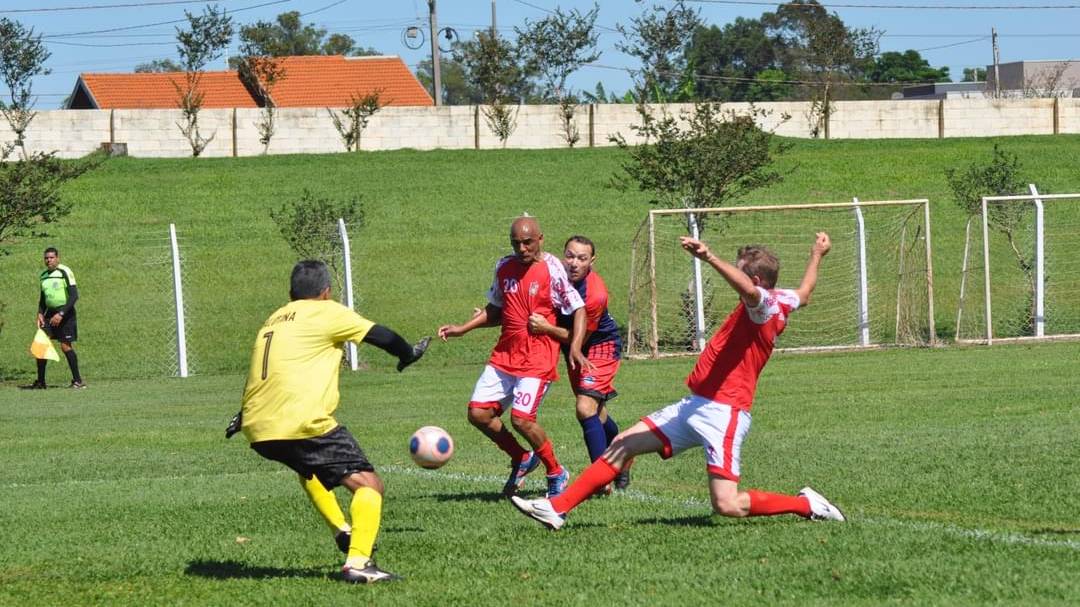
[435,62]
[493,18]
[997,60]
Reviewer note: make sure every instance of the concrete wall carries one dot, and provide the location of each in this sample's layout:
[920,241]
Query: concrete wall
[154,133]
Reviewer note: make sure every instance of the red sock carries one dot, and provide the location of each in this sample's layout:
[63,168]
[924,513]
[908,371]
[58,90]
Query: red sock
[546,453]
[771,504]
[595,476]
[509,445]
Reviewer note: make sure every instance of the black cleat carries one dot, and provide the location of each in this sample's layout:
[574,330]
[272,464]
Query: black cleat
[342,539]
[77,384]
[369,574]
[38,385]
[622,479]
[417,351]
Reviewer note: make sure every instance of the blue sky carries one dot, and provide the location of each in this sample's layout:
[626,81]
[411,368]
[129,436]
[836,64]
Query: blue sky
[956,38]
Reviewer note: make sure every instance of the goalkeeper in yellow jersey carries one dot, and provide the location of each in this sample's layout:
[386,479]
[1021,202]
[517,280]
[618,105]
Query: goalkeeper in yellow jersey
[289,403]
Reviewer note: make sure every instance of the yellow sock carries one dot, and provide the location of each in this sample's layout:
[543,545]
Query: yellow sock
[366,513]
[326,503]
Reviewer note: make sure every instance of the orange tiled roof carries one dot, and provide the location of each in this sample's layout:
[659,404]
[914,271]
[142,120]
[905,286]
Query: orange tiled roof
[157,91]
[309,81]
[332,81]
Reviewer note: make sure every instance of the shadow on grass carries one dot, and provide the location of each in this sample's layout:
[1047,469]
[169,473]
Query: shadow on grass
[1055,531]
[681,521]
[230,570]
[475,496]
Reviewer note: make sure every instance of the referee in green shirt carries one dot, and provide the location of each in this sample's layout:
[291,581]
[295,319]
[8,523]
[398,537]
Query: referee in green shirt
[56,314]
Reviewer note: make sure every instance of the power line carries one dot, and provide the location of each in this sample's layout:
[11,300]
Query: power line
[103,6]
[145,25]
[920,7]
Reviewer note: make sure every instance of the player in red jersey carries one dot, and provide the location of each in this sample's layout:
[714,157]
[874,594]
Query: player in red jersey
[522,365]
[716,414]
[603,347]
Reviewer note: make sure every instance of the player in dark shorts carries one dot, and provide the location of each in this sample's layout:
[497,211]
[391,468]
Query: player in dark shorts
[289,402]
[56,315]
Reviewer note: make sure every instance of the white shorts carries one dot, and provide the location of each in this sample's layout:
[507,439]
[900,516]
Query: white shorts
[498,389]
[696,420]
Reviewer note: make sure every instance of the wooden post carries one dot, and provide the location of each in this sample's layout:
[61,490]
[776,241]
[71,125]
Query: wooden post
[592,125]
[476,127]
[234,132]
[941,119]
[112,127]
[1057,115]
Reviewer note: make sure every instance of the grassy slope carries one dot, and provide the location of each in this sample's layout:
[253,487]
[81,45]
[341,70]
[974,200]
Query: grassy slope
[957,471]
[436,222]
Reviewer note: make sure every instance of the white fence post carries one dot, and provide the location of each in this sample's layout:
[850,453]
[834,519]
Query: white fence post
[1040,268]
[864,297]
[699,300]
[178,291]
[350,347]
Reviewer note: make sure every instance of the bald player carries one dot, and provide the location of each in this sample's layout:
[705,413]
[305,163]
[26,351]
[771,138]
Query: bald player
[523,363]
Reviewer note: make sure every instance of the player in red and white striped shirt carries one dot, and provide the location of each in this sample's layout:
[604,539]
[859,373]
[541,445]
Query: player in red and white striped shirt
[523,363]
[716,414]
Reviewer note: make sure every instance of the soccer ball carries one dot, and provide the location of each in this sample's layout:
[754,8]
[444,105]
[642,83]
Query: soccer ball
[431,447]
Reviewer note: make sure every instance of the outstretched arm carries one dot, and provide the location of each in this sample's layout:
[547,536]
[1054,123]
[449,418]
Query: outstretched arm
[390,342]
[739,280]
[490,316]
[820,249]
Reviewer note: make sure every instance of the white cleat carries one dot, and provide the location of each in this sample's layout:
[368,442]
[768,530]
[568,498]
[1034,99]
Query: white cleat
[821,509]
[539,510]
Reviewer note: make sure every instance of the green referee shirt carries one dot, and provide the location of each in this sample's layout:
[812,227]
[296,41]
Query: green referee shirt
[54,286]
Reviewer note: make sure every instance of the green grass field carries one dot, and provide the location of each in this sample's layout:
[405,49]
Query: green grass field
[956,467]
[437,221]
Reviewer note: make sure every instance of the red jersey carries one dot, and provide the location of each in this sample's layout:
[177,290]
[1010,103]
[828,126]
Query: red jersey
[520,290]
[727,371]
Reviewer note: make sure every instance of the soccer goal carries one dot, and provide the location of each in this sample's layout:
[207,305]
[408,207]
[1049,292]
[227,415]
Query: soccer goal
[1020,275]
[875,287]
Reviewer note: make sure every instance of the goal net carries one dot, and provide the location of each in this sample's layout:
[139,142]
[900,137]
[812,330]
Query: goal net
[1020,274]
[875,287]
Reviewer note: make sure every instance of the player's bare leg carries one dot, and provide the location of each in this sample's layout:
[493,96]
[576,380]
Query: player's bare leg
[522,462]
[727,500]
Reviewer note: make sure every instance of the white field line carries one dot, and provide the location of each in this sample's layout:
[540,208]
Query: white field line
[981,535]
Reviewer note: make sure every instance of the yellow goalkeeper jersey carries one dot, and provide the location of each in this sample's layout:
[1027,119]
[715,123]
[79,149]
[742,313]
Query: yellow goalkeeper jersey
[292,387]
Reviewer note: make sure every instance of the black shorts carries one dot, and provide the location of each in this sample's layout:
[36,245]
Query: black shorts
[67,331]
[330,457]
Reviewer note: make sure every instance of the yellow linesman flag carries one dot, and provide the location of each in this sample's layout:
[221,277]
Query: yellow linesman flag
[41,348]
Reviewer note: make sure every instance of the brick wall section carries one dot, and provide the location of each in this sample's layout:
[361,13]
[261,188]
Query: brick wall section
[154,133]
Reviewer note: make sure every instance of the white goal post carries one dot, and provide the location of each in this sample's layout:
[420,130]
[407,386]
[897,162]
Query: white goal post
[875,287]
[1029,271]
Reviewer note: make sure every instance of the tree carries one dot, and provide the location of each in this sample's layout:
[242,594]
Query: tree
[999,177]
[658,39]
[158,66]
[310,227]
[205,38]
[22,56]
[908,66]
[730,59]
[288,35]
[820,49]
[704,158]
[456,88]
[352,121]
[492,67]
[974,74]
[555,47]
[31,191]
[262,74]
